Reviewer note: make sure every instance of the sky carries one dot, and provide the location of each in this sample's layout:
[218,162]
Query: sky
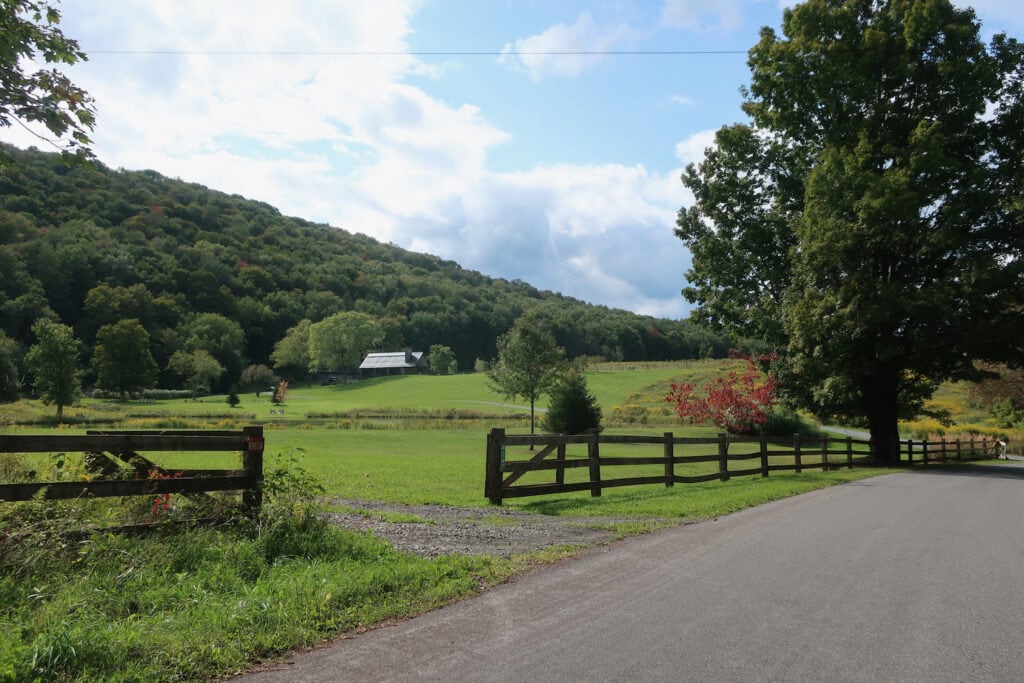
[533,140]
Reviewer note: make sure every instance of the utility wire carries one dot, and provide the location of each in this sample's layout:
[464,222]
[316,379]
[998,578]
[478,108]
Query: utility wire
[371,53]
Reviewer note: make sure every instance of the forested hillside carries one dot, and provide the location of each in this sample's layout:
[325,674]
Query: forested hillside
[89,246]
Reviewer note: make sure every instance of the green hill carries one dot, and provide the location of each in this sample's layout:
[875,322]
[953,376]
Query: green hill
[89,246]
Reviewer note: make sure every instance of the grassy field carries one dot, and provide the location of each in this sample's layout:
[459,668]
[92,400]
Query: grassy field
[201,603]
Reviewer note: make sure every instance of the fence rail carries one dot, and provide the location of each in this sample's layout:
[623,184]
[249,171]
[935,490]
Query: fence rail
[772,454]
[113,453]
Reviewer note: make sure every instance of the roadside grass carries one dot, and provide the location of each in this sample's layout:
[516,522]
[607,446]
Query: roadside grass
[121,608]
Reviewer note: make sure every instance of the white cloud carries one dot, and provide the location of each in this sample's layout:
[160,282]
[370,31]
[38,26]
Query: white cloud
[691,150]
[568,49]
[702,16]
[600,233]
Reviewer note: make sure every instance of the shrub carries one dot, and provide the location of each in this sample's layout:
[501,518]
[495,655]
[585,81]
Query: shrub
[737,403]
[786,422]
[572,409]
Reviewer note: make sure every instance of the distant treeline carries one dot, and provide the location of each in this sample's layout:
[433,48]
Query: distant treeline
[89,246]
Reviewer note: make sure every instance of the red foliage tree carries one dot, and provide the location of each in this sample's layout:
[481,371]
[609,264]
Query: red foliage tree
[736,403]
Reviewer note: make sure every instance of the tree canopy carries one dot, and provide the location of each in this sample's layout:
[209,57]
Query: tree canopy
[123,361]
[868,218]
[29,33]
[340,341]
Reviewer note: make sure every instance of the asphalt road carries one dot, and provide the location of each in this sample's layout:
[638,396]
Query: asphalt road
[914,576]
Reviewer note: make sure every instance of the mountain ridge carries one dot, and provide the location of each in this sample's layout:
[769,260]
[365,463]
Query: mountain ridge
[89,245]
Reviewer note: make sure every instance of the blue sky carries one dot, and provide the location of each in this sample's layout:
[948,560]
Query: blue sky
[521,162]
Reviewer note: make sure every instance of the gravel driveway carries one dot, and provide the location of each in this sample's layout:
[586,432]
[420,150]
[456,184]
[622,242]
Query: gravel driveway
[442,530]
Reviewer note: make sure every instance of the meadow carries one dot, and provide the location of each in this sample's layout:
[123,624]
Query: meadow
[193,602]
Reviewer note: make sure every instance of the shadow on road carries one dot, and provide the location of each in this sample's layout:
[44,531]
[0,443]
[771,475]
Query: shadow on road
[995,471]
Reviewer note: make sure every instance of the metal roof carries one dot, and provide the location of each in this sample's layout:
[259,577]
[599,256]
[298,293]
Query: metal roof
[395,359]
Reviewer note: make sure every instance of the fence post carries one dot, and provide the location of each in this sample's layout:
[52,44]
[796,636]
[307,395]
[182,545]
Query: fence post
[492,482]
[798,465]
[849,452]
[910,452]
[958,452]
[560,457]
[764,454]
[942,440]
[670,463]
[924,451]
[252,465]
[723,456]
[594,455]
[824,453]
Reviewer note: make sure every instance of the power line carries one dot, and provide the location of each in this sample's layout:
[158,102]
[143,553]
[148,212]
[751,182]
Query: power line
[415,53]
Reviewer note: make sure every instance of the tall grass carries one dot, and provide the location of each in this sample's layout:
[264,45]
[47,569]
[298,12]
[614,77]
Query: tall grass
[194,603]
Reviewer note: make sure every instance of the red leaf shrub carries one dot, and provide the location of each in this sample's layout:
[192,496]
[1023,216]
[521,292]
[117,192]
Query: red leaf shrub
[736,403]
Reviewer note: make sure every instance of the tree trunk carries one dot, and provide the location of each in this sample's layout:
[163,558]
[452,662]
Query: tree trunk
[532,402]
[882,399]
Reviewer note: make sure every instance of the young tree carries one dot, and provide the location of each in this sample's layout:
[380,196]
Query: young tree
[28,32]
[572,409]
[53,362]
[869,219]
[341,341]
[442,360]
[529,363]
[122,358]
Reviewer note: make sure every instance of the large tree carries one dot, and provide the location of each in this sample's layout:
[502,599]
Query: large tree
[340,341]
[53,362]
[122,358]
[868,218]
[528,365]
[29,35]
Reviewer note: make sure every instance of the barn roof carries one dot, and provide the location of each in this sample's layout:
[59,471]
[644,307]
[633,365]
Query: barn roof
[393,359]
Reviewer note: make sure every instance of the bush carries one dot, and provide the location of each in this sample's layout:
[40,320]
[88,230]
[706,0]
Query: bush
[785,422]
[572,409]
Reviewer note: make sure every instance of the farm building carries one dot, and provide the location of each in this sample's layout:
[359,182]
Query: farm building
[405,362]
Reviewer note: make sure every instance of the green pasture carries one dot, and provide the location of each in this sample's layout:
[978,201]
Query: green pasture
[611,383]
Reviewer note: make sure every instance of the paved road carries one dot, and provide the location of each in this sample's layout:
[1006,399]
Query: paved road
[914,576]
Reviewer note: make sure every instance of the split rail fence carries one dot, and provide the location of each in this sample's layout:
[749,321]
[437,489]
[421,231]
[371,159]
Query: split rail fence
[117,453]
[683,460]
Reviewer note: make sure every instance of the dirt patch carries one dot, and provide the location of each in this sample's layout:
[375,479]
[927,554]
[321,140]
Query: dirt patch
[432,530]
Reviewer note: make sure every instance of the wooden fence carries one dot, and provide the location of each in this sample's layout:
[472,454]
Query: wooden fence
[772,454]
[115,453]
